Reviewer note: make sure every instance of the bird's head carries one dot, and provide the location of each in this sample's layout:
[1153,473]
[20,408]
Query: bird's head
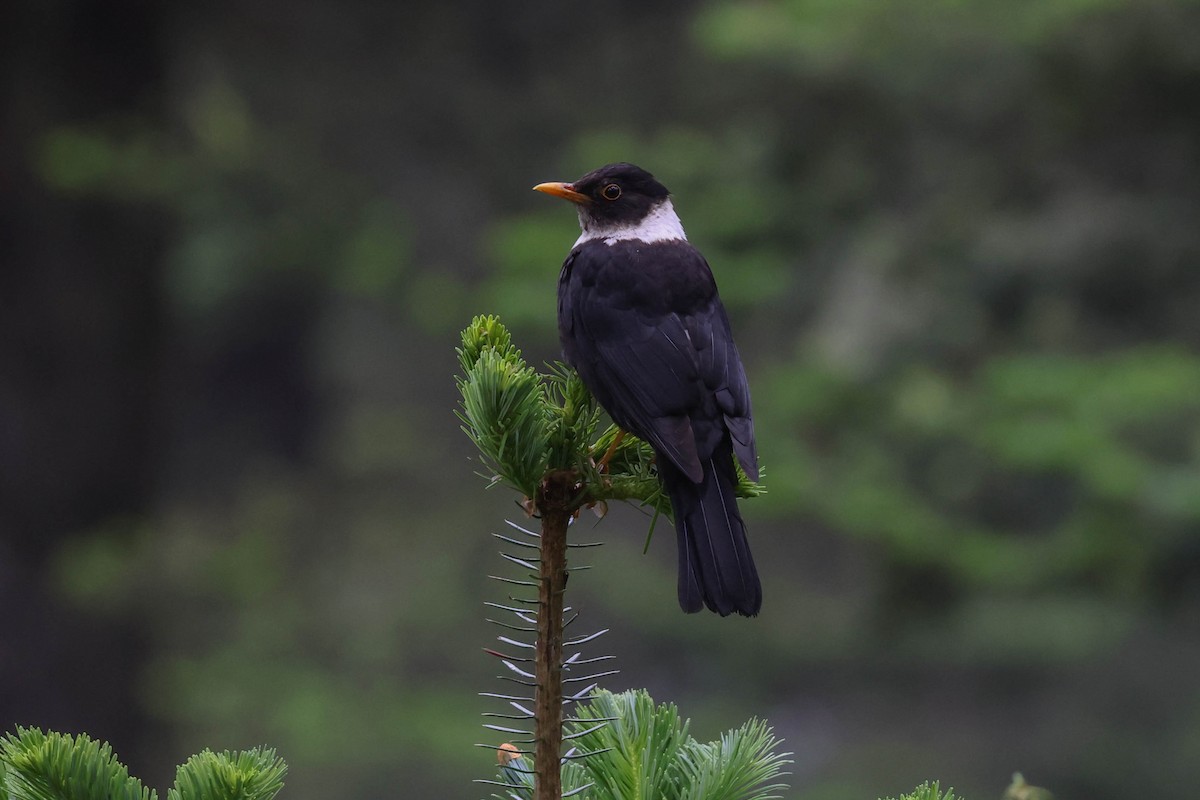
[620,201]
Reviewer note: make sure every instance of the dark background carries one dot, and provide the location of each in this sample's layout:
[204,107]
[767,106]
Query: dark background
[960,244]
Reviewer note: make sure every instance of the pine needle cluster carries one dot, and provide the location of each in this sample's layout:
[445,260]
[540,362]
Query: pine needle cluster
[644,752]
[928,791]
[55,766]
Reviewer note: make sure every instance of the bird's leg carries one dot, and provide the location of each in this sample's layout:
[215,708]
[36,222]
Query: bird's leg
[602,466]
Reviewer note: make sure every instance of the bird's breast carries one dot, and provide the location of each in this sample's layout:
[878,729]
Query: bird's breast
[667,277]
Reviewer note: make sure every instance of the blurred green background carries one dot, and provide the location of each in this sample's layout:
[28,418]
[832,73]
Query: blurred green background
[960,244]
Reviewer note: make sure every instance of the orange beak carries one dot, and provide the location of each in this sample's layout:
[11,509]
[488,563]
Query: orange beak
[564,190]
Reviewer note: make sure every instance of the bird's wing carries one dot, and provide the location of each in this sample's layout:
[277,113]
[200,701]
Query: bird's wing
[645,376]
[724,374]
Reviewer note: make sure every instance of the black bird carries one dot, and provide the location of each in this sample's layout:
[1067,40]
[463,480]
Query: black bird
[640,320]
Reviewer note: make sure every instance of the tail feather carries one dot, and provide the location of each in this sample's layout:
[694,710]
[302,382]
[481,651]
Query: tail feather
[716,568]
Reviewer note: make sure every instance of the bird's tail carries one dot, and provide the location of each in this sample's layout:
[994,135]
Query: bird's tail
[715,565]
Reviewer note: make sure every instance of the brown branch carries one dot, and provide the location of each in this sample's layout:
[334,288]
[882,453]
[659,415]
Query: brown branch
[557,501]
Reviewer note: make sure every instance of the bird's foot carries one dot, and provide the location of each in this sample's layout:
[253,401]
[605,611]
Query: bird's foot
[602,466]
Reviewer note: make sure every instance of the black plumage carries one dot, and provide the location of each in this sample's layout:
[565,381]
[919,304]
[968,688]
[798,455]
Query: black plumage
[640,319]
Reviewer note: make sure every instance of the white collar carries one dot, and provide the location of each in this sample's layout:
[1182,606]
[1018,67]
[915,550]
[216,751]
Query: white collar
[660,225]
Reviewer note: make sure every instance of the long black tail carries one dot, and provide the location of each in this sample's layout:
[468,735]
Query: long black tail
[715,565]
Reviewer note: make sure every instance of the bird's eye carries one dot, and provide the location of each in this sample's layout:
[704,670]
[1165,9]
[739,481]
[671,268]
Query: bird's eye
[611,192]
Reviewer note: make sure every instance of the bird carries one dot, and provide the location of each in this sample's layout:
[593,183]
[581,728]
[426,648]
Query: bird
[641,322]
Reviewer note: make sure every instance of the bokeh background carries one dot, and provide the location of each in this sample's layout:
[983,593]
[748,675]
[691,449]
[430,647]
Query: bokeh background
[960,244]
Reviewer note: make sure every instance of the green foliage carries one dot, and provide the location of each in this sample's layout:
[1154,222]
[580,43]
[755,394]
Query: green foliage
[574,417]
[526,424]
[927,791]
[54,766]
[639,751]
[245,775]
[504,406]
